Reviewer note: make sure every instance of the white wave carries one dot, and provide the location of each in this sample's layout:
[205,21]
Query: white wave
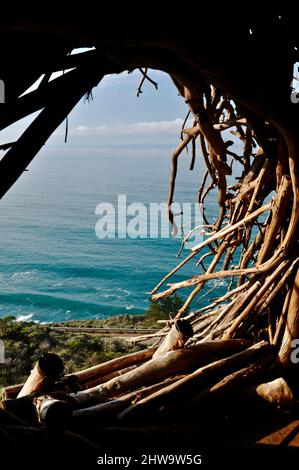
[22,273]
[218,282]
[24,317]
[129,307]
[112,292]
[111,296]
[124,291]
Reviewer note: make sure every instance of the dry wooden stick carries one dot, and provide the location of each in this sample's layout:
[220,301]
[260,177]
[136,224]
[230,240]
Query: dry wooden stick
[263,304]
[145,77]
[250,307]
[231,311]
[205,154]
[109,409]
[114,365]
[174,164]
[200,284]
[218,301]
[177,336]
[257,187]
[280,206]
[232,382]
[199,279]
[291,331]
[193,383]
[95,373]
[47,370]
[222,233]
[281,324]
[161,367]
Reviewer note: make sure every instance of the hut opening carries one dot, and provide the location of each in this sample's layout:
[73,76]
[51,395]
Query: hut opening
[238,353]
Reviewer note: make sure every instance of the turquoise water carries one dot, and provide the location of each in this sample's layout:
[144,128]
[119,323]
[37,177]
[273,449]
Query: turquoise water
[52,265]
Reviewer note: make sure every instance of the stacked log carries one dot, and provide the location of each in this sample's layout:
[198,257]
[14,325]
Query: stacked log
[158,368]
[157,385]
[150,383]
[86,377]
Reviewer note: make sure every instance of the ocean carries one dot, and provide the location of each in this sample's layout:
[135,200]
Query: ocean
[53,267]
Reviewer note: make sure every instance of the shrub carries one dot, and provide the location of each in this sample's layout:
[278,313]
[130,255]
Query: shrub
[163,309]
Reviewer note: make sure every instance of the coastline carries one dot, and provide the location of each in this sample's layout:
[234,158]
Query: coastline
[78,349]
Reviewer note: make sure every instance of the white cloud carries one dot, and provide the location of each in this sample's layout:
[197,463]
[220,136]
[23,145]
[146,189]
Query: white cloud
[139,128]
[81,128]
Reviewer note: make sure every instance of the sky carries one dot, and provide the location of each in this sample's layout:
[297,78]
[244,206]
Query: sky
[117,116]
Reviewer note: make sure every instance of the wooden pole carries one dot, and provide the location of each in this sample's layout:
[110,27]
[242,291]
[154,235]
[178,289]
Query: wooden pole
[231,384]
[177,336]
[114,365]
[291,331]
[193,383]
[96,374]
[52,412]
[161,367]
[108,410]
[47,370]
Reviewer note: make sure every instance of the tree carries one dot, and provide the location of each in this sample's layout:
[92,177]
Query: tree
[163,309]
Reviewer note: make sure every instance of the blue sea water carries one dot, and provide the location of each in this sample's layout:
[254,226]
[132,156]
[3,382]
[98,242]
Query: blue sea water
[52,265]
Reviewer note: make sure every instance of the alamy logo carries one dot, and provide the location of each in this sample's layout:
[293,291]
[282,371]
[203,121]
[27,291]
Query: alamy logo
[2,352]
[295,353]
[2,92]
[137,220]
